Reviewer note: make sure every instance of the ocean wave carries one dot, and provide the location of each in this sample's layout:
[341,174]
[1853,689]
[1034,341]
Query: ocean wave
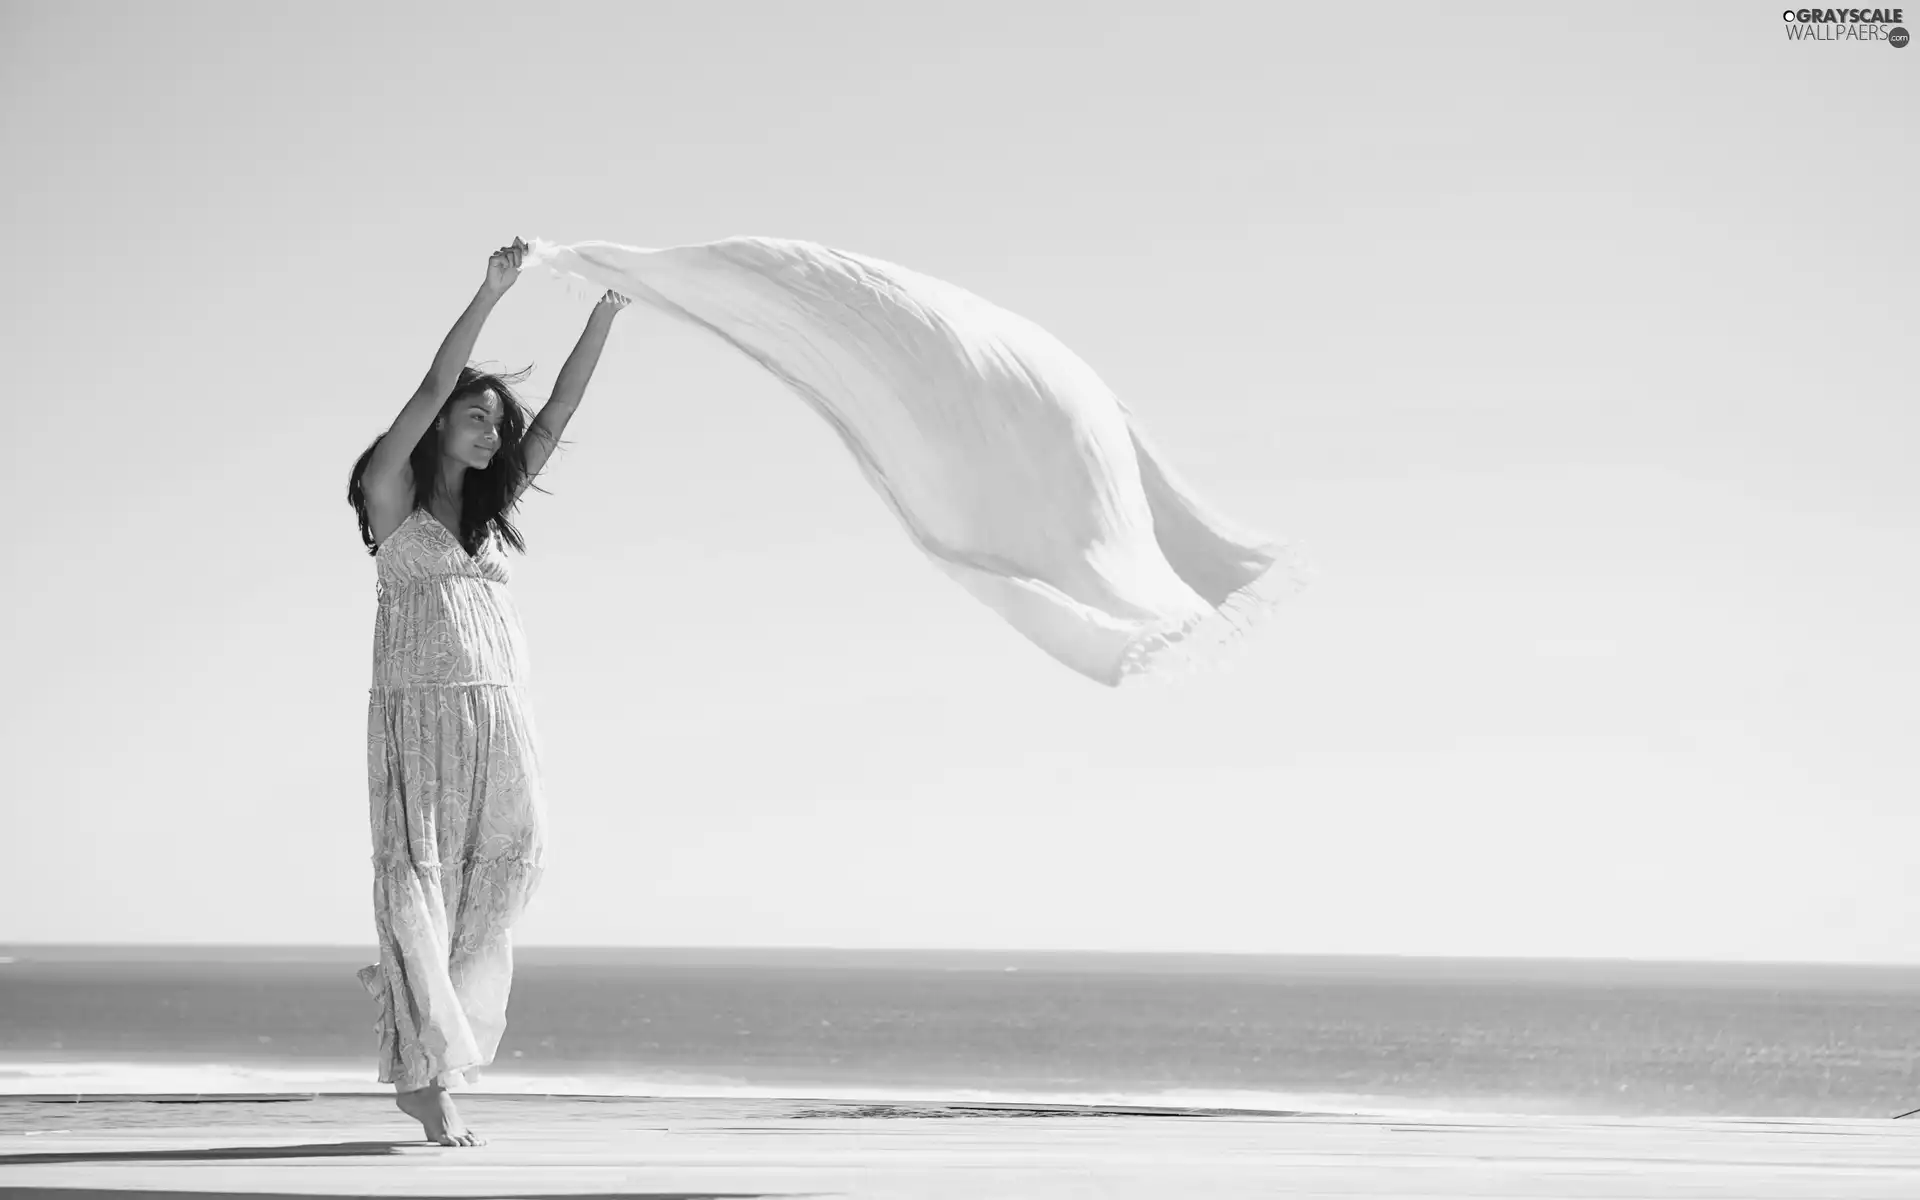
[100,1079]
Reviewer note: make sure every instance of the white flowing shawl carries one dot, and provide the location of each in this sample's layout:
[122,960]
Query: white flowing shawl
[1003,455]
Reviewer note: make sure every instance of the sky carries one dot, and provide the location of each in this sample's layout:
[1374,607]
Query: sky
[1573,345]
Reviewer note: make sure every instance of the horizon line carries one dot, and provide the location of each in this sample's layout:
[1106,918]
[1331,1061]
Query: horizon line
[370,948]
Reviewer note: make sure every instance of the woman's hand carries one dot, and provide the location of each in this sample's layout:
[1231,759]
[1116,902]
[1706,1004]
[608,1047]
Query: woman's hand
[504,267]
[611,303]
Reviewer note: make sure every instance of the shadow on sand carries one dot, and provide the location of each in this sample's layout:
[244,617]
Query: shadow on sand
[313,1150]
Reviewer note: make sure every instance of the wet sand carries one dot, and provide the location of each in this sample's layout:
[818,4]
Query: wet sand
[683,1148]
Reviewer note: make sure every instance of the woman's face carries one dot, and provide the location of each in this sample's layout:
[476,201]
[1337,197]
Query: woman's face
[470,434]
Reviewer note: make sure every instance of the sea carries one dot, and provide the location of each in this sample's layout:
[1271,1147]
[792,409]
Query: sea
[1269,1033]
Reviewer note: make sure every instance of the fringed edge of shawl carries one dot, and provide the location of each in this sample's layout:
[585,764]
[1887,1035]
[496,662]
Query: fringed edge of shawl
[1205,643]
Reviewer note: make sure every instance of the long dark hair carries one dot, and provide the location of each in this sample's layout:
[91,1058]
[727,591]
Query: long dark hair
[484,493]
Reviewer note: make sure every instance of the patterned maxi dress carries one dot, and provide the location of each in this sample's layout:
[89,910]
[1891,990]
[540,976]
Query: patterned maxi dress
[457,813]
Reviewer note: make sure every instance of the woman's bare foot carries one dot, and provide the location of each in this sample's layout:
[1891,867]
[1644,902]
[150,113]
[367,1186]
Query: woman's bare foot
[433,1108]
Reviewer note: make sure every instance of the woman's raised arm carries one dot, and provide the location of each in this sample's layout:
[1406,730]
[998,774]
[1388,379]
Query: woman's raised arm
[569,386]
[387,479]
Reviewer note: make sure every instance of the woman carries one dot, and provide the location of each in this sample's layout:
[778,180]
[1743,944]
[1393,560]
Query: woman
[453,767]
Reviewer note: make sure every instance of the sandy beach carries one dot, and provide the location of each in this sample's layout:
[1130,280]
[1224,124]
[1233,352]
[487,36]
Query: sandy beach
[553,1146]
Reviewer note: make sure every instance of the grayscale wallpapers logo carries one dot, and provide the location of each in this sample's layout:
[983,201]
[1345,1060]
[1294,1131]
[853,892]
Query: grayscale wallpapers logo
[1846,25]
